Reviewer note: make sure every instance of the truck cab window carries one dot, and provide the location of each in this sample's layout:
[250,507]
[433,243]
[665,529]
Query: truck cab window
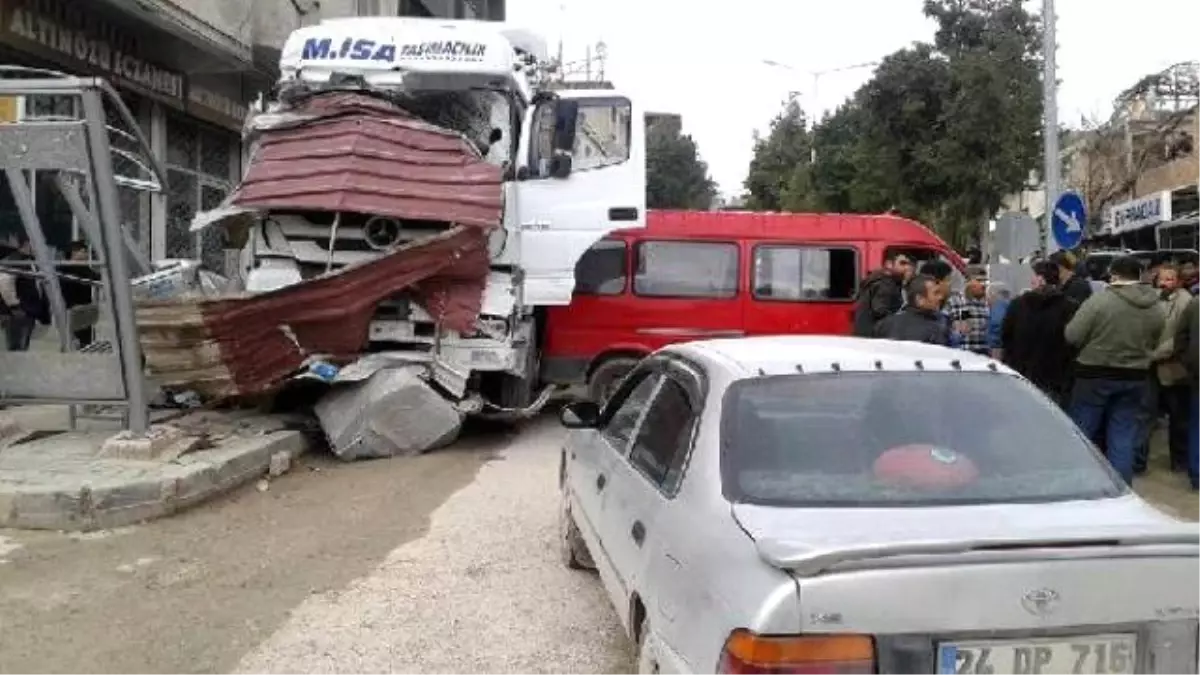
[602,136]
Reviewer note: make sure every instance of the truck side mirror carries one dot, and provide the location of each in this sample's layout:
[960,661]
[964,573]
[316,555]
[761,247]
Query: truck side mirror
[566,113]
[560,165]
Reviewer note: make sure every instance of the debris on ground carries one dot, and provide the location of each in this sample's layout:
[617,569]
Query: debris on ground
[391,412]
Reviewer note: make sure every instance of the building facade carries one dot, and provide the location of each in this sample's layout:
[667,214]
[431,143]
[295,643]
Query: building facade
[187,70]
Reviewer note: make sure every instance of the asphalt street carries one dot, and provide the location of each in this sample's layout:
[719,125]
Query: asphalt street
[439,563]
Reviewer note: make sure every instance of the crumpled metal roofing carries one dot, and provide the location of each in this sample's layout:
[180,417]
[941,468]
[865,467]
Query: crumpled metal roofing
[337,152]
[350,152]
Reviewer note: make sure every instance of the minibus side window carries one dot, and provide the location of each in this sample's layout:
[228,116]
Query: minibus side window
[686,269]
[601,269]
[804,273]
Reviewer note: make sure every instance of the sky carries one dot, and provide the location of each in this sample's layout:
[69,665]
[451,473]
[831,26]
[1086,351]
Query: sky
[704,59]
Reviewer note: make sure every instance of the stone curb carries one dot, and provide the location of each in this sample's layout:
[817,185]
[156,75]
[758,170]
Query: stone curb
[188,481]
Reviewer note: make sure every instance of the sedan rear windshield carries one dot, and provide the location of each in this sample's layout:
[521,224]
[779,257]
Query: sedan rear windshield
[903,439]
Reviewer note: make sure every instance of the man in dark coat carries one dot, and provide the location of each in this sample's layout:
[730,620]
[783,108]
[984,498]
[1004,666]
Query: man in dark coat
[1032,335]
[1075,287]
[921,320]
[881,294]
[1187,349]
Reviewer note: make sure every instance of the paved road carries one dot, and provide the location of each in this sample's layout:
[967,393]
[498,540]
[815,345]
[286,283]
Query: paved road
[439,563]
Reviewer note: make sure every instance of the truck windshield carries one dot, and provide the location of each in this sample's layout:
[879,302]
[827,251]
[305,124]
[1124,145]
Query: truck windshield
[903,439]
[474,113]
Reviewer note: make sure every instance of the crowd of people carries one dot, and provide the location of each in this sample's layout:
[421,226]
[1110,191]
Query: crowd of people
[1117,357]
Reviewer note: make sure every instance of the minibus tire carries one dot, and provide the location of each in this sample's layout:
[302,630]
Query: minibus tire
[606,376]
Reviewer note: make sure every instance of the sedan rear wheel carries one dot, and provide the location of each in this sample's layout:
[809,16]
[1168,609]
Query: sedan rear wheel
[572,548]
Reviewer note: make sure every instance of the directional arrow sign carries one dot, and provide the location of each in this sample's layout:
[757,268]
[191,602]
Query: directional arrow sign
[1067,220]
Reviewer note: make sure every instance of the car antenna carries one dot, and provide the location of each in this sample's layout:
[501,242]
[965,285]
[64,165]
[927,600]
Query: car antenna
[992,367]
[799,368]
[956,364]
[837,367]
[920,366]
[878,364]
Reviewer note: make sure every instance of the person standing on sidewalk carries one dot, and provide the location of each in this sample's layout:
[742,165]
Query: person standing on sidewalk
[881,294]
[1170,377]
[969,315]
[1076,288]
[1115,332]
[1187,351]
[1032,335]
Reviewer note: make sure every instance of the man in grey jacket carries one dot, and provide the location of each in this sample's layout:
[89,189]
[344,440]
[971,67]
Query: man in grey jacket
[1116,332]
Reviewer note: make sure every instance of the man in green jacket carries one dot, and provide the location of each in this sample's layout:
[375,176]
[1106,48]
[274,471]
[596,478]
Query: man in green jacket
[1116,332]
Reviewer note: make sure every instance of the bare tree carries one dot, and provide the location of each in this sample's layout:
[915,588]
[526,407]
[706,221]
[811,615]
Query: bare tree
[1105,159]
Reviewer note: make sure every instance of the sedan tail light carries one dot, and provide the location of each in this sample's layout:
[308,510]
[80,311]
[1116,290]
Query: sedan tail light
[746,652]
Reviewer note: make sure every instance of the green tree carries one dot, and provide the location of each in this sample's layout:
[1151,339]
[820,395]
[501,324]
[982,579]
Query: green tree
[779,177]
[942,132]
[676,176]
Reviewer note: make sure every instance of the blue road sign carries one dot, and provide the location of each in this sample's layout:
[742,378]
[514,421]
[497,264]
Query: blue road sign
[1068,219]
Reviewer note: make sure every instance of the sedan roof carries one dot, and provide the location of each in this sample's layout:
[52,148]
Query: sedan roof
[790,354]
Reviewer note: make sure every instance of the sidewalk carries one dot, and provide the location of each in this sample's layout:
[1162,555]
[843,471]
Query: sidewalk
[80,480]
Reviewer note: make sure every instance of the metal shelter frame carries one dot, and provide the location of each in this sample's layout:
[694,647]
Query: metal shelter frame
[79,151]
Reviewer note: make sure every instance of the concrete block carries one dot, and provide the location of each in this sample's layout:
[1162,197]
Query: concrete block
[161,442]
[280,463]
[394,412]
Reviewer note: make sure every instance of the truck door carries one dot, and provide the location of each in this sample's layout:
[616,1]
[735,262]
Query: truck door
[563,207]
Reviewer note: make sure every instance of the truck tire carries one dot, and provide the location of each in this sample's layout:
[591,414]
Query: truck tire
[521,391]
[607,376]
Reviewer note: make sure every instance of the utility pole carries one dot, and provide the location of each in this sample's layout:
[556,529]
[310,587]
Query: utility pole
[1052,163]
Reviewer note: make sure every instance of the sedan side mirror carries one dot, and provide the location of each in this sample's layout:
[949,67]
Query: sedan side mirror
[580,415]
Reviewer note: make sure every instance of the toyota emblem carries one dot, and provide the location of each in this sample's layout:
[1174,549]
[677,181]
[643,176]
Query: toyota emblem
[1041,601]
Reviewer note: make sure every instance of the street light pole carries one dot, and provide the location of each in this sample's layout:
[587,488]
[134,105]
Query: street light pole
[1051,161]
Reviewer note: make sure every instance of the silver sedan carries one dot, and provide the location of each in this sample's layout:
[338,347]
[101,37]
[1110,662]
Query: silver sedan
[835,505]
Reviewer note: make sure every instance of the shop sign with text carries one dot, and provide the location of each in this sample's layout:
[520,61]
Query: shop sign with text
[64,32]
[1138,213]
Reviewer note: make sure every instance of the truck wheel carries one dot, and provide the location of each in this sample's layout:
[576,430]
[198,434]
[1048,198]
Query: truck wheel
[571,547]
[520,392]
[607,376]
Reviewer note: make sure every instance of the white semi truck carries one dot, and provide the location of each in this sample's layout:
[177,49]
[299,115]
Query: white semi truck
[492,84]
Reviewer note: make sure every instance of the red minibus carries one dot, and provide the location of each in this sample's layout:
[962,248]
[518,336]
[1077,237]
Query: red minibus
[691,275]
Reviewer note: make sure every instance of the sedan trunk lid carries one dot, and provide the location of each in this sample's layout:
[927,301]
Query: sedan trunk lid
[952,569]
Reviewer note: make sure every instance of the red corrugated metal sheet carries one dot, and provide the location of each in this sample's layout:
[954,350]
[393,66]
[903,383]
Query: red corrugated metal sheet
[356,153]
[225,347]
[352,153]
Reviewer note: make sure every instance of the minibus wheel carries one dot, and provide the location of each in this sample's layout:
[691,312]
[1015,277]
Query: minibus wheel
[607,376]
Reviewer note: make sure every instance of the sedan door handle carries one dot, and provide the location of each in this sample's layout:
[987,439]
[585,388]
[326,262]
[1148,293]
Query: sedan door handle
[600,481]
[638,532]
[623,213]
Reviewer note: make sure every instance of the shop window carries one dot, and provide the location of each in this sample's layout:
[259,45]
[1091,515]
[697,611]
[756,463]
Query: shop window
[686,269]
[801,273]
[601,270]
[200,167]
[182,203]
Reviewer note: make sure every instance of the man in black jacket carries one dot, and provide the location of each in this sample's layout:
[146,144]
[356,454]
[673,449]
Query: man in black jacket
[1076,288]
[921,320]
[1031,337]
[1187,349]
[25,304]
[881,295]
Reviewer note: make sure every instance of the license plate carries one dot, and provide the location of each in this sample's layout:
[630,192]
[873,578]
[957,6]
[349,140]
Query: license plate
[1110,654]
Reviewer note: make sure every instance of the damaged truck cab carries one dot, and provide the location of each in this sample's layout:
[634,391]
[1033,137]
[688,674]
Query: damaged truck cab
[557,168]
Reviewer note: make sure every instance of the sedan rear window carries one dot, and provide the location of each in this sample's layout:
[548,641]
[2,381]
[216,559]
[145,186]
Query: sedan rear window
[903,439]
